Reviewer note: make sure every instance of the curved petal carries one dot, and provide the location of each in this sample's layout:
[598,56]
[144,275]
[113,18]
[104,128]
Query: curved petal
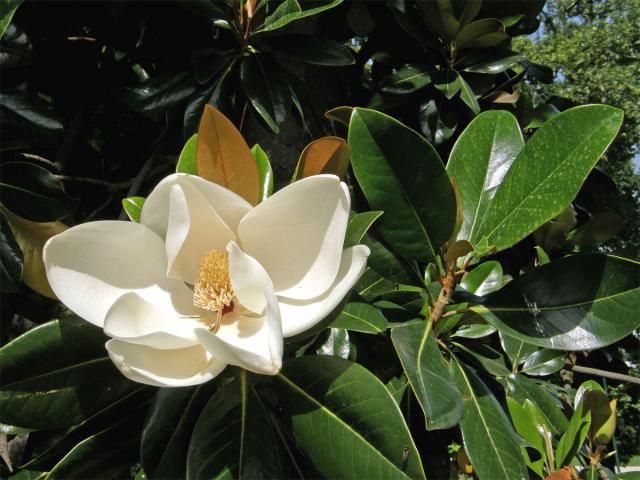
[134,320]
[253,343]
[155,212]
[194,228]
[249,279]
[93,264]
[298,234]
[179,367]
[300,315]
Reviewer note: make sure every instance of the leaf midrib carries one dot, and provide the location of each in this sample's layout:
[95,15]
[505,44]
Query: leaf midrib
[341,422]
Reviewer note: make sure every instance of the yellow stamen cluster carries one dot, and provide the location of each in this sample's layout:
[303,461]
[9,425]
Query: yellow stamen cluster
[212,290]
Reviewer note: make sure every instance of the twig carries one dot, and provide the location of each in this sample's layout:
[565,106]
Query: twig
[604,373]
[111,186]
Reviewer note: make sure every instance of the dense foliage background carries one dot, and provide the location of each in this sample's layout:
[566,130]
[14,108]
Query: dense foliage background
[98,99]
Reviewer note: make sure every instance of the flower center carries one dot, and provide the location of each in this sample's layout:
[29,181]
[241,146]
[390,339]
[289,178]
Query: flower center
[212,290]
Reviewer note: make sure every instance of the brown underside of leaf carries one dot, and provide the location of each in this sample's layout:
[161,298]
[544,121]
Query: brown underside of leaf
[223,156]
[324,155]
[31,237]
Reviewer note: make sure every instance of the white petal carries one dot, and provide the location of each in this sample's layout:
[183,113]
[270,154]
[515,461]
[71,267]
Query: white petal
[248,279]
[164,368]
[194,229]
[300,315]
[155,213]
[135,320]
[298,234]
[253,343]
[93,264]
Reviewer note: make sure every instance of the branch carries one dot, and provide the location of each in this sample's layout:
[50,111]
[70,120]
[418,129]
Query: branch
[604,373]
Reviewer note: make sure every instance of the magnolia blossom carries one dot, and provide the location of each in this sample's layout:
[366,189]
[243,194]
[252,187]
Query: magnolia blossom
[205,279]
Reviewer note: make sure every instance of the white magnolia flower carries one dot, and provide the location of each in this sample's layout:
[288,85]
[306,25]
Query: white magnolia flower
[205,279]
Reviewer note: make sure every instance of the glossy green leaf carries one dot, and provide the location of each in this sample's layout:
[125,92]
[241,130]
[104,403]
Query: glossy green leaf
[484,357]
[584,388]
[475,330]
[541,256]
[107,454]
[489,439]
[210,62]
[397,386]
[133,207]
[468,96]
[161,92]
[335,342]
[57,375]
[187,162]
[135,401]
[483,279]
[314,50]
[517,350]
[483,33]
[345,420]
[521,388]
[7,10]
[479,160]
[395,166]
[448,82]
[290,10]
[266,89]
[360,317]
[526,428]
[11,258]
[495,66]
[265,172]
[544,362]
[579,302]
[168,427]
[573,437]
[541,114]
[32,192]
[564,150]
[233,437]
[428,375]
[359,224]
[407,79]
[372,284]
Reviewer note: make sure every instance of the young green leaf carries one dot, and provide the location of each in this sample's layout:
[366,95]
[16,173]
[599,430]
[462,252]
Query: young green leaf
[187,162]
[360,317]
[359,224]
[265,172]
[133,207]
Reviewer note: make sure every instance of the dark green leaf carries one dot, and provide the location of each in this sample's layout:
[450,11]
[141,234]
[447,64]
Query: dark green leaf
[266,89]
[579,302]
[286,12]
[475,330]
[517,350]
[483,33]
[346,421]
[428,375]
[233,437]
[168,428]
[162,92]
[32,192]
[541,114]
[496,65]
[360,317]
[564,150]
[7,10]
[485,357]
[29,118]
[336,343]
[371,285]
[467,96]
[11,259]
[107,454]
[448,82]
[489,440]
[521,388]
[407,79]
[314,50]
[133,207]
[544,362]
[210,62]
[187,162]
[16,48]
[479,160]
[359,224]
[598,229]
[58,375]
[395,166]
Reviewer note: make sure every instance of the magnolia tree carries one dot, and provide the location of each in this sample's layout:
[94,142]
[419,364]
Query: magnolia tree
[373,318]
